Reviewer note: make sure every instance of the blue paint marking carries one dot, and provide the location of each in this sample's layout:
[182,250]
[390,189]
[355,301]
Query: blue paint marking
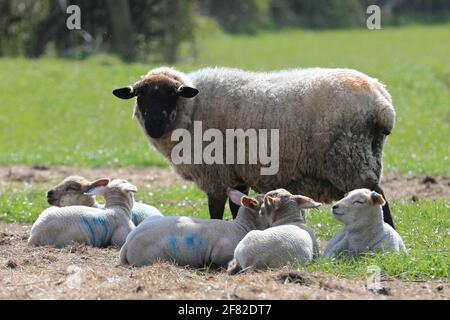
[172,241]
[103,222]
[373,195]
[194,241]
[135,217]
[90,231]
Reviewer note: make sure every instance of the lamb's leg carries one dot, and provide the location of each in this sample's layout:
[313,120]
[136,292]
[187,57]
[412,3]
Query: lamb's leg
[386,211]
[216,206]
[234,208]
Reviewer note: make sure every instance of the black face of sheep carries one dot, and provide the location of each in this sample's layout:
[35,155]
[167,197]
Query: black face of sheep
[157,98]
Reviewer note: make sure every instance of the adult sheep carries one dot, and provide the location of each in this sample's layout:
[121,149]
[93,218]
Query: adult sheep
[332,126]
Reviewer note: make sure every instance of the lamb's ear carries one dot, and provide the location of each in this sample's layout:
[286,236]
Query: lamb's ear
[272,202]
[250,202]
[97,187]
[235,196]
[99,182]
[96,191]
[306,203]
[128,187]
[186,91]
[377,198]
[125,92]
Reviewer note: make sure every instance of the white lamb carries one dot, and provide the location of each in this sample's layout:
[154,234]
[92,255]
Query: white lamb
[364,231]
[287,241]
[190,241]
[72,192]
[93,226]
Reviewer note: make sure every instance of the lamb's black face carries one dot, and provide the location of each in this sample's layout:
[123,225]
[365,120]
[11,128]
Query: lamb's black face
[157,98]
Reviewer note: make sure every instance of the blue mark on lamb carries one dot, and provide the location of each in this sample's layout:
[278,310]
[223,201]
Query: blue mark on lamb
[193,241]
[172,241]
[103,222]
[90,231]
[92,226]
[135,217]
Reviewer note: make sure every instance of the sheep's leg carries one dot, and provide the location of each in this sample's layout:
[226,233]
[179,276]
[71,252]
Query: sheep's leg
[386,211]
[216,206]
[234,208]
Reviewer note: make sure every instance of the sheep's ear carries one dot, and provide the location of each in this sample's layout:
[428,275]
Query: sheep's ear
[99,182]
[96,191]
[97,187]
[125,92]
[306,203]
[235,196]
[250,202]
[272,202]
[128,187]
[186,91]
[377,198]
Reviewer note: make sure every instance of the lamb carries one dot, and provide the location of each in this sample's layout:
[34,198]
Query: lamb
[332,124]
[192,242]
[72,192]
[287,241]
[98,227]
[365,230]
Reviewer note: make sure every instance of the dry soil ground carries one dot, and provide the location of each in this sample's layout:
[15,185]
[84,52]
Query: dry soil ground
[80,272]
[396,186]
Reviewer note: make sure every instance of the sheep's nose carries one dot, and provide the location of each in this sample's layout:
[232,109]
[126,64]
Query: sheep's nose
[335,207]
[50,193]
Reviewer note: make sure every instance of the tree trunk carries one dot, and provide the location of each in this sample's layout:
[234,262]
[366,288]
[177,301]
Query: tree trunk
[122,25]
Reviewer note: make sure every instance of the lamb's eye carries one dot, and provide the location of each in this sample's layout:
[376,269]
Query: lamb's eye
[357,201]
[72,188]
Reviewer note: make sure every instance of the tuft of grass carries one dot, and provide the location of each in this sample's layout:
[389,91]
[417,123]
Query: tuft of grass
[63,112]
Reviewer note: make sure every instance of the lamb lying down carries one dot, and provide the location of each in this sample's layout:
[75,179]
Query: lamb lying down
[190,241]
[72,192]
[98,227]
[365,230]
[288,240]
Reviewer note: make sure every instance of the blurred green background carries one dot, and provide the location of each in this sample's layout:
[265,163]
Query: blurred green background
[58,109]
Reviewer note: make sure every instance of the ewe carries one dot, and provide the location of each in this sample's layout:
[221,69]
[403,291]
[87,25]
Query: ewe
[72,192]
[288,240]
[93,226]
[192,242]
[332,124]
[365,230]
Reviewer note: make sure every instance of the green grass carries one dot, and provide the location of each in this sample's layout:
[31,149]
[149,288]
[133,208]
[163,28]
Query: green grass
[424,227]
[63,112]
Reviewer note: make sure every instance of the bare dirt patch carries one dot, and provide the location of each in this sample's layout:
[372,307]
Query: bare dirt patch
[397,186]
[81,272]
[48,176]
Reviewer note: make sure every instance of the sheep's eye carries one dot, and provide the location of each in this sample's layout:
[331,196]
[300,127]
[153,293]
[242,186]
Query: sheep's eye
[72,188]
[357,201]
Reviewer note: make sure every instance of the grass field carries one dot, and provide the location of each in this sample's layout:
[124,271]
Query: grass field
[63,112]
[56,111]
